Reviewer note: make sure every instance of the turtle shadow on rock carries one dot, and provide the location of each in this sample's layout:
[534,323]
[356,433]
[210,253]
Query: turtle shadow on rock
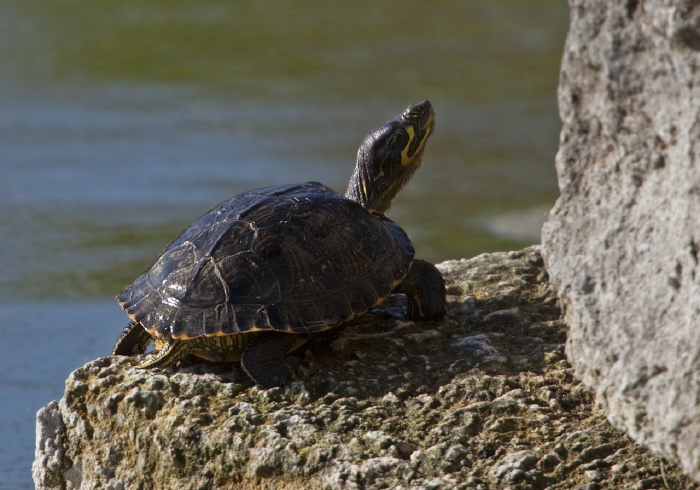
[503,318]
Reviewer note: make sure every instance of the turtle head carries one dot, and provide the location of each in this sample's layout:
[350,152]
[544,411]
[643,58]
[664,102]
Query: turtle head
[389,155]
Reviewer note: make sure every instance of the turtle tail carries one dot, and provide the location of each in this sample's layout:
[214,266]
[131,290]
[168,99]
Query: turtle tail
[133,340]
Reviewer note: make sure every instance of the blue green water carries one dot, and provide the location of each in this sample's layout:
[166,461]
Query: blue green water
[122,122]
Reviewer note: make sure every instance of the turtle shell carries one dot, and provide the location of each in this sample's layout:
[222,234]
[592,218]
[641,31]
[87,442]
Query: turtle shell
[295,258]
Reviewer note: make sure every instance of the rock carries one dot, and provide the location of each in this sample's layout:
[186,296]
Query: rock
[622,244]
[381,403]
[49,446]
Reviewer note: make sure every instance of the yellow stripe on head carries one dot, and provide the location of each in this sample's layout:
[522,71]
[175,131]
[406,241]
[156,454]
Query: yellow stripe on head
[405,159]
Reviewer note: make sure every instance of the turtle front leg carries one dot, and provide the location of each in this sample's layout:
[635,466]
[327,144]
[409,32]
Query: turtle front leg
[424,288]
[133,340]
[265,359]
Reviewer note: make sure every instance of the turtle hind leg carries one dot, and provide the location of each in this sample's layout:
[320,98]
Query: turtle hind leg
[169,354]
[424,288]
[133,340]
[265,359]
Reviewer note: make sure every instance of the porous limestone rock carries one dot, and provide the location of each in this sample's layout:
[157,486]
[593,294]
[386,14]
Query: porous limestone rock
[622,243]
[482,400]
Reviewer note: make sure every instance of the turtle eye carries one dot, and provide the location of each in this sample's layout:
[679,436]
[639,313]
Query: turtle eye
[412,115]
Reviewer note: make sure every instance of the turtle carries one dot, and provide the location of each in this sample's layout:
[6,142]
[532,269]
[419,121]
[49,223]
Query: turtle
[252,279]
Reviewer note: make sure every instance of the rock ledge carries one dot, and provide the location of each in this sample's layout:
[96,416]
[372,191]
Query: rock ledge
[482,400]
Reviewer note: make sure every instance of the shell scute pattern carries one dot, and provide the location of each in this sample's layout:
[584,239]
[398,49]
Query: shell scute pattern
[297,258]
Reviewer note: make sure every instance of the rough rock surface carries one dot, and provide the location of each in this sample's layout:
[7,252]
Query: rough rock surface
[622,243]
[483,400]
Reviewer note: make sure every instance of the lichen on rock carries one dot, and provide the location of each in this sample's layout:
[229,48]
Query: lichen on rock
[484,399]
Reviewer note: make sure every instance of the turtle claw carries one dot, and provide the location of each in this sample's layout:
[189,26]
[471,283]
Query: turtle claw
[424,288]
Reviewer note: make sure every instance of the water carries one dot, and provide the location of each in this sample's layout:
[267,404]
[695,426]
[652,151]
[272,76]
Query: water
[123,122]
